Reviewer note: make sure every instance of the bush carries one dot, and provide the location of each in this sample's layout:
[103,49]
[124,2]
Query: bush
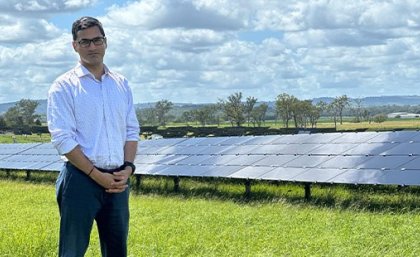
[379,118]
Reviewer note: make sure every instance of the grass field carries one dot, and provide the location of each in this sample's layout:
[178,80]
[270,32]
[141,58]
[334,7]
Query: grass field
[213,218]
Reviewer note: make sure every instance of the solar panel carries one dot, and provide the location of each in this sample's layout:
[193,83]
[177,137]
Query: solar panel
[262,140]
[390,158]
[309,139]
[241,149]
[251,172]
[333,149]
[290,139]
[345,162]
[404,149]
[397,137]
[55,166]
[370,149]
[398,177]
[181,170]
[282,174]
[193,160]
[308,161]
[275,160]
[355,137]
[219,171]
[385,162]
[218,159]
[411,165]
[317,175]
[245,160]
[361,176]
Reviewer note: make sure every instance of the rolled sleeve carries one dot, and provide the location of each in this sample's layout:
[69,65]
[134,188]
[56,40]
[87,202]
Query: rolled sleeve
[60,118]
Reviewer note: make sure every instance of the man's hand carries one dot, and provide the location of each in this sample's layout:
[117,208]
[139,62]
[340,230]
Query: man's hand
[113,183]
[120,180]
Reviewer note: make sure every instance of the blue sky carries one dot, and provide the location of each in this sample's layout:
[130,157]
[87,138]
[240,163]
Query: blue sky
[200,51]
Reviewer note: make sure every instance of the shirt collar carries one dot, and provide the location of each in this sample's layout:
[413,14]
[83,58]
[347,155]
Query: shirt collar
[82,71]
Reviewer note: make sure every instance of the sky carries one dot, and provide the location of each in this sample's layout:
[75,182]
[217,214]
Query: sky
[201,51]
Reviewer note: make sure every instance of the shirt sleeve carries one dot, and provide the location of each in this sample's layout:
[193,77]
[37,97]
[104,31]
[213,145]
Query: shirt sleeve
[60,118]
[133,126]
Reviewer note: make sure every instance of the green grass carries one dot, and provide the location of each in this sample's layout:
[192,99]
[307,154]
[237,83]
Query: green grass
[213,218]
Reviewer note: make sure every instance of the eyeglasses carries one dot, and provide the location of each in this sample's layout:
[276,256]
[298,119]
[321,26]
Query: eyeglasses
[97,41]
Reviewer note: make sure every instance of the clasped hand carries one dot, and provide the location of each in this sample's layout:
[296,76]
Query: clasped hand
[115,182]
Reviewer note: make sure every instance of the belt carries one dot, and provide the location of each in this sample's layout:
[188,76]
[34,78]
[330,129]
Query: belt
[100,169]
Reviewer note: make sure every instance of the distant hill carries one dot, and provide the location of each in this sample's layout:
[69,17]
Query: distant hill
[366,101]
[380,100]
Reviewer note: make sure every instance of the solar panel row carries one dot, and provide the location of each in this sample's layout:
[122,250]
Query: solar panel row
[351,158]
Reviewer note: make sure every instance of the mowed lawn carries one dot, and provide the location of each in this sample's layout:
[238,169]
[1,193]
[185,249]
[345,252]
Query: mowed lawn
[338,221]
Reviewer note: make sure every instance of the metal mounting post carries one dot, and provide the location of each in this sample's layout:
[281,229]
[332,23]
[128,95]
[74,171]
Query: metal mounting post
[138,181]
[307,191]
[248,188]
[176,184]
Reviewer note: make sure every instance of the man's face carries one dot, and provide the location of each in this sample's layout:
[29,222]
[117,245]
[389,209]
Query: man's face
[91,52]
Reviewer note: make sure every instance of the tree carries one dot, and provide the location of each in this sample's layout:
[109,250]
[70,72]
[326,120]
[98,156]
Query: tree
[22,113]
[315,114]
[206,114]
[146,116]
[284,107]
[233,109]
[258,114]
[340,103]
[249,106]
[2,122]
[358,109]
[188,116]
[162,108]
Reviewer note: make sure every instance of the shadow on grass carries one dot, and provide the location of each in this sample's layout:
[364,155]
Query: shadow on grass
[378,198]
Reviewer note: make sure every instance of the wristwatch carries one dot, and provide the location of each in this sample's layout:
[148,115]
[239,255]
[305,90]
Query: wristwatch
[129,164]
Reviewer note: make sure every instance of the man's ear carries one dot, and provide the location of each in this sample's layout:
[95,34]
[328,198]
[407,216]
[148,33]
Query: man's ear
[74,44]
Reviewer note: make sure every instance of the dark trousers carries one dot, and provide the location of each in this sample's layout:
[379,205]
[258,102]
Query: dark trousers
[81,201]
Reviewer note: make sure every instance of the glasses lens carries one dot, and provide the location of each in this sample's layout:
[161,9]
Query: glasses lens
[84,42]
[98,41]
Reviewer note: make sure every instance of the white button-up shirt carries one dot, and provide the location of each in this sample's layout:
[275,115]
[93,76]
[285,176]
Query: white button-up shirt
[99,116]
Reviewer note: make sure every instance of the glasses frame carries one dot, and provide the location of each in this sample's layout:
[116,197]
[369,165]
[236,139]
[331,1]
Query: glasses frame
[99,41]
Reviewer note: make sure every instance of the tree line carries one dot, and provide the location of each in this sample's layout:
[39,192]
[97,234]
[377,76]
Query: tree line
[235,110]
[238,110]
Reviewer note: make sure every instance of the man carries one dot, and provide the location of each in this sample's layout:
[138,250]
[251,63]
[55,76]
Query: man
[92,122]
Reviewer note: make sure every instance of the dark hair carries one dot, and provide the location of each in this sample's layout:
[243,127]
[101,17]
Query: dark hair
[86,22]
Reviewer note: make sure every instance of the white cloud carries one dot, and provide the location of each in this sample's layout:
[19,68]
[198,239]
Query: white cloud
[194,50]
